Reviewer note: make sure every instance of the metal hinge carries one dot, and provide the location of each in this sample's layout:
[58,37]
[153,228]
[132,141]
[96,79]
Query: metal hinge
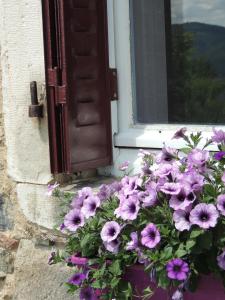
[60,94]
[60,90]
[113,84]
[53,76]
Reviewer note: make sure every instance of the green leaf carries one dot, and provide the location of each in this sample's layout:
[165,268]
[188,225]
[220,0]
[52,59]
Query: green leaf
[147,293]
[114,282]
[115,268]
[85,240]
[167,253]
[163,280]
[185,150]
[93,261]
[210,190]
[71,287]
[125,290]
[196,232]
[180,253]
[96,284]
[190,244]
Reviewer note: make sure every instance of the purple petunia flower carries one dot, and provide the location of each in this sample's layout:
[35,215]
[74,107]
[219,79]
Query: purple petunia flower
[142,259]
[62,227]
[180,133]
[124,166]
[87,293]
[163,170]
[51,258]
[219,136]
[83,194]
[110,231]
[198,158]
[181,219]
[51,188]
[112,246]
[183,199]
[221,260]
[223,177]
[128,208]
[133,244]
[171,188]
[221,204]
[145,170]
[105,191]
[143,153]
[192,178]
[167,155]
[129,185]
[77,202]
[149,196]
[74,219]
[77,279]
[150,236]
[178,295]
[204,215]
[116,186]
[89,206]
[177,269]
[79,261]
[219,155]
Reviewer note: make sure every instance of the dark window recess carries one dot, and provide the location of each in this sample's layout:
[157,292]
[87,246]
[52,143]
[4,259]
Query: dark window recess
[79,84]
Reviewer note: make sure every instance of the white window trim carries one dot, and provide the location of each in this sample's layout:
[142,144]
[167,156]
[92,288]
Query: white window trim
[127,134]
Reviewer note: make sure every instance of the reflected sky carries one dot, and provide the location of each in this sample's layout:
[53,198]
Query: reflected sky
[204,11]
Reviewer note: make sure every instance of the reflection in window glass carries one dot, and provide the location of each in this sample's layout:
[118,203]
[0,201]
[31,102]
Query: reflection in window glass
[179,61]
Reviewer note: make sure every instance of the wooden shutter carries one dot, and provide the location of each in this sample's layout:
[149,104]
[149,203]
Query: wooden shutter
[78,84]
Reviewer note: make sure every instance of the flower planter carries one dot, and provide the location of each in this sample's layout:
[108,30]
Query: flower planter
[209,287]
[171,214]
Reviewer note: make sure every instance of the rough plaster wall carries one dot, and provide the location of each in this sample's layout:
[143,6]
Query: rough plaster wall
[36,206]
[22,61]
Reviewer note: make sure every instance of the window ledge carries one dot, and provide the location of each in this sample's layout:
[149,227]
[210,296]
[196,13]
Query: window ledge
[93,182]
[155,138]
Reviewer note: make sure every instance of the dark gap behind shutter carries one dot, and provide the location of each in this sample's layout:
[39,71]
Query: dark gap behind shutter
[77,78]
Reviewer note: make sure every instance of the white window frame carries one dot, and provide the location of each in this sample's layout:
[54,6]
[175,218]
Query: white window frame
[127,134]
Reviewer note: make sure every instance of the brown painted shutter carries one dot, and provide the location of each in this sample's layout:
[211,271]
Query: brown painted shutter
[78,84]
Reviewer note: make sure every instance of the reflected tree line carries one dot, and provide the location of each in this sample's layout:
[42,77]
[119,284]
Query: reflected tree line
[196,91]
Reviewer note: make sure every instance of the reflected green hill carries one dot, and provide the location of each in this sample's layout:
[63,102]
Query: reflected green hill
[209,41]
[197,74]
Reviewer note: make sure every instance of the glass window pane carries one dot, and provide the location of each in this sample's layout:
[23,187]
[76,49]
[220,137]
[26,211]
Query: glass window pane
[179,61]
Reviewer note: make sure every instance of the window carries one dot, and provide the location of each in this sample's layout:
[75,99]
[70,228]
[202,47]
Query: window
[132,132]
[178,61]
[170,60]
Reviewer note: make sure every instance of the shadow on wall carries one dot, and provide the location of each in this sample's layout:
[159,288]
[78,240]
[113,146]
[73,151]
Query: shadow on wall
[5,222]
